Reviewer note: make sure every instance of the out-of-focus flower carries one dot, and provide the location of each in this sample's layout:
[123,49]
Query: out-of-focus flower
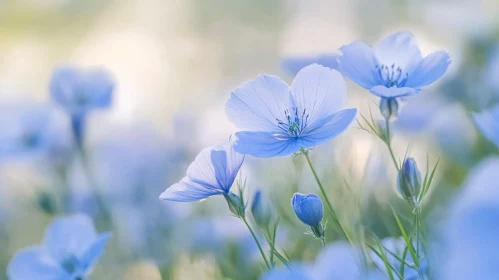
[392,68]
[295,271]
[309,209]
[261,209]
[212,173]
[80,91]
[33,129]
[293,65]
[468,248]
[279,120]
[70,249]
[338,260]
[488,123]
[409,180]
[394,251]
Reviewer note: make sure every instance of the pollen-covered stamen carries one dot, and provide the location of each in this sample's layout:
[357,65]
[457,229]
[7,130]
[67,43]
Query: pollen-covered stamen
[390,76]
[294,124]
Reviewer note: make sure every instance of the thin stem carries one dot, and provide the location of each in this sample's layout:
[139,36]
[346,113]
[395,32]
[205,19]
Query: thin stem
[389,144]
[257,242]
[418,223]
[328,203]
[323,239]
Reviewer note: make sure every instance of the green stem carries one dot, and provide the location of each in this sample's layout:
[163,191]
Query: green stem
[388,142]
[418,225]
[328,203]
[257,242]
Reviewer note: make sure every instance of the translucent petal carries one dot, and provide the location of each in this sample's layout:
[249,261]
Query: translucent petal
[400,49]
[257,104]
[318,91]
[428,69]
[94,252]
[358,64]
[35,263]
[265,144]
[385,92]
[328,128]
[186,191]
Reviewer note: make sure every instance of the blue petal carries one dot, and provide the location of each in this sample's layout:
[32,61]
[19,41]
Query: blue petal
[338,261]
[94,252]
[358,64]
[308,208]
[319,91]
[400,49]
[257,104]
[265,144]
[71,235]
[187,191]
[385,92]
[428,70]
[488,123]
[295,271]
[294,64]
[328,128]
[35,263]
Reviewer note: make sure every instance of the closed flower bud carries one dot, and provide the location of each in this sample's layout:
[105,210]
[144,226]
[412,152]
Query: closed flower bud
[389,108]
[261,209]
[308,208]
[409,180]
[236,204]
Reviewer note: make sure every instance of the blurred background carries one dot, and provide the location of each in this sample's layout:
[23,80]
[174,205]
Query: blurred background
[175,64]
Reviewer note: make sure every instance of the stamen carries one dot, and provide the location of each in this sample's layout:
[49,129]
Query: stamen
[390,76]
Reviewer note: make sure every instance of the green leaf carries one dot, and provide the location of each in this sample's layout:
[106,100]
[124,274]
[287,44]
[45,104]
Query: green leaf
[406,239]
[427,183]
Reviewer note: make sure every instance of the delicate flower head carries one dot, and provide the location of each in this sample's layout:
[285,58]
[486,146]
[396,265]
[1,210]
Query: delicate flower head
[70,249]
[212,172]
[394,67]
[278,120]
[488,123]
[80,90]
[261,209]
[409,180]
[293,65]
[308,208]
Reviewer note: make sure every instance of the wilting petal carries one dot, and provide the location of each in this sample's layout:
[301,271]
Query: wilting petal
[358,64]
[258,104]
[400,49]
[35,263]
[488,123]
[294,64]
[428,69]
[319,91]
[385,92]
[328,127]
[265,144]
[71,235]
[95,251]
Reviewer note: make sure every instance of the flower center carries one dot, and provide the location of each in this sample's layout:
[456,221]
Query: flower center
[71,264]
[295,123]
[390,76]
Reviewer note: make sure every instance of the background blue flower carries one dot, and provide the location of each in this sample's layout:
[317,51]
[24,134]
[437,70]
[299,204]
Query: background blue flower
[488,123]
[294,64]
[212,172]
[394,67]
[70,249]
[278,120]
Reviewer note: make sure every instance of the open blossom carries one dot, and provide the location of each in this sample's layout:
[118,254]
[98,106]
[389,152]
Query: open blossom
[212,173]
[70,249]
[394,67]
[279,120]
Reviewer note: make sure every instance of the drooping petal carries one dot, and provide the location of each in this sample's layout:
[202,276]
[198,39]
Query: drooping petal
[488,123]
[94,252]
[294,64]
[187,191]
[265,144]
[358,64]
[35,263]
[328,128]
[428,69]
[385,92]
[399,48]
[68,236]
[318,91]
[257,104]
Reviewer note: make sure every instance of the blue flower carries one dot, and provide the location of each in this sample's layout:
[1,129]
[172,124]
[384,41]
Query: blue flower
[261,209]
[293,65]
[394,67]
[409,180]
[295,271]
[212,173]
[338,260]
[279,120]
[308,208]
[488,123]
[70,249]
[394,250]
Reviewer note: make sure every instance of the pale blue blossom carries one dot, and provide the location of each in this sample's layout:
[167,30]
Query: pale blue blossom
[279,120]
[488,124]
[70,249]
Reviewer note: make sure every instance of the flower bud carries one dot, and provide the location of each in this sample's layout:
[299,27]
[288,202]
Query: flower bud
[236,204]
[261,209]
[389,108]
[308,208]
[409,180]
